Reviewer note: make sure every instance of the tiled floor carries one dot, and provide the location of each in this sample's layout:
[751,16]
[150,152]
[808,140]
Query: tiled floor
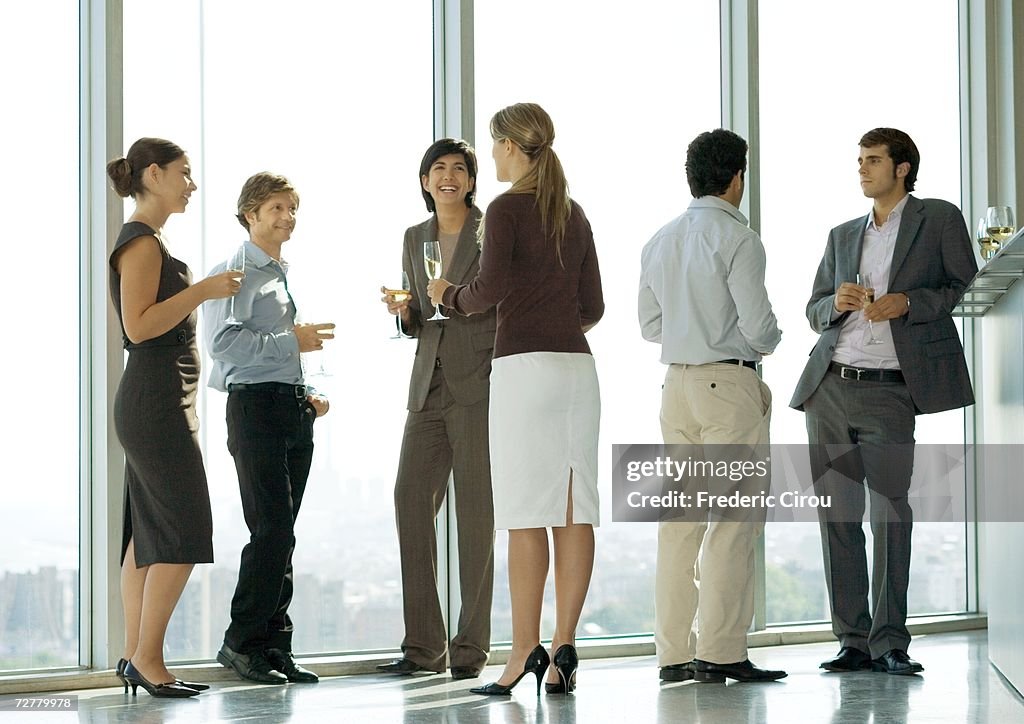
[959,685]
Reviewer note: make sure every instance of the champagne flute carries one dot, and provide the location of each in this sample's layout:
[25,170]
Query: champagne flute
[432,263]
[400,295]
[1000,224]
[987,246]
[864,280]
[235,262]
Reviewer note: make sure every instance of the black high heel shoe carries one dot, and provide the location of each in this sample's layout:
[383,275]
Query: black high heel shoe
[536,663]
[566,662]
[172,690]
[119,673]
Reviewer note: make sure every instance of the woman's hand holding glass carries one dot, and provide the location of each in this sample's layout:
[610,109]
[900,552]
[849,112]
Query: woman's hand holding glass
[397,301]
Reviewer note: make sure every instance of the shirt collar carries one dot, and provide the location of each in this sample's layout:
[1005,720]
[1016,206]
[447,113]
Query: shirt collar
[896,213]
[261,258]
[713,202]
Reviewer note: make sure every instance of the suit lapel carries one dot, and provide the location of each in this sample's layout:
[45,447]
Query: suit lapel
[910,223]
[466,249]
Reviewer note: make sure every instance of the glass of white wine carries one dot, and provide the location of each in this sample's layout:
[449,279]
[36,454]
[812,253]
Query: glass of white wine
[235,262]
[985,243]
[864,280]
[432,263]
[401,294]
[1000,224]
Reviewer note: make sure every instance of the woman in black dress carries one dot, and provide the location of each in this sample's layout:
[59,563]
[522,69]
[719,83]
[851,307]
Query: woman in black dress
[168,526]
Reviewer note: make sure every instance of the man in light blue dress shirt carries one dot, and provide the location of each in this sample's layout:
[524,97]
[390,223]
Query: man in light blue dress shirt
[255,345]
[702,297]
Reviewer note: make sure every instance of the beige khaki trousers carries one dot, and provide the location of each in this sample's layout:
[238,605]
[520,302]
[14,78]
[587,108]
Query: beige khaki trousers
[704,586]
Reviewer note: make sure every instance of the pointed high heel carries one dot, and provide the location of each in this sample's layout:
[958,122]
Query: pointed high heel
[119,673]
[536,663]
[171,690]
[566,662]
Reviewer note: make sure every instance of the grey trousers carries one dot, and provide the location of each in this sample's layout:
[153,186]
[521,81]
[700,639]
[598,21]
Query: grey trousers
[863,432]
[445,438]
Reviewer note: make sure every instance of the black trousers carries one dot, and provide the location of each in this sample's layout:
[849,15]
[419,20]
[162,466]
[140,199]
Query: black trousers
[270,436]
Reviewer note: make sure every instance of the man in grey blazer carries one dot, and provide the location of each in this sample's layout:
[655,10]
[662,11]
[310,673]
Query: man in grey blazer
[446,429]
[875,366]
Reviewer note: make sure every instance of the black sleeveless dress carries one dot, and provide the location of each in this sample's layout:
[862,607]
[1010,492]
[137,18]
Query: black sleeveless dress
[167,502]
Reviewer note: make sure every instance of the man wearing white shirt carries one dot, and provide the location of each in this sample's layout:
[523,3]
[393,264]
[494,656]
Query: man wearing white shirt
[875,367]
[702,297]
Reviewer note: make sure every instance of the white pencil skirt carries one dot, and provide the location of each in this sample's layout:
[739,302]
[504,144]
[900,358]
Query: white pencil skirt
[544,416]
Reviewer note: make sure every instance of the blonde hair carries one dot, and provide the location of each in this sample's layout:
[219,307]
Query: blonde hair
[529,126]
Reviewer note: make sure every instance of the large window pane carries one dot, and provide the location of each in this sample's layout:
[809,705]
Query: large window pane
[812,115]
[39,586]
[256,86]
[627,92]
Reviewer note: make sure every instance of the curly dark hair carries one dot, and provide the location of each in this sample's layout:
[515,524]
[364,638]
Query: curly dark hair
[712,160]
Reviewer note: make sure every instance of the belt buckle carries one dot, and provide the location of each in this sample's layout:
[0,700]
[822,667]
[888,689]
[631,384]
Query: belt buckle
[300,392]
[856,376]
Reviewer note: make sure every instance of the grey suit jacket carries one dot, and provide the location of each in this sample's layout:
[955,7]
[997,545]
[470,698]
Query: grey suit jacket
[932,263]
[465,345]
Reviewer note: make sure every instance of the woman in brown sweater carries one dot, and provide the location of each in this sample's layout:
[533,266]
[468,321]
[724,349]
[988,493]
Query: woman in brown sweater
[539,267]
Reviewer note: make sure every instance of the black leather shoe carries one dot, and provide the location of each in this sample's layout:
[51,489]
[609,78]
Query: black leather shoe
[252,667]
[284,662]
[566,661]
[172,690]
[536,663]
[464,672]
[848,659]
[119,673]
[676,672]
[741,671]
[403,666]
[896,661]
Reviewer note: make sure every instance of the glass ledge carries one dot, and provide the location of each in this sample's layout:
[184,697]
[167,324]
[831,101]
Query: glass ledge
[994,279]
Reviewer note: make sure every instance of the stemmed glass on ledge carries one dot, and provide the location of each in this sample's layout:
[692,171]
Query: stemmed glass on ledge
[864,280]
[1000,226]
[985,244]
[235,262]
[401,294]
[432,263]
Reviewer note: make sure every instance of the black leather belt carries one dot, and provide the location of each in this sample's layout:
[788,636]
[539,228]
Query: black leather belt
[271,388]
[861,374]
[744,362]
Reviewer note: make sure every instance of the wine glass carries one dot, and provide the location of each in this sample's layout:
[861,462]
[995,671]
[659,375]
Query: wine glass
[985,243]
[312,362]
[864,280]
[432,263]
[400,295]
[1000,224]
[235,262]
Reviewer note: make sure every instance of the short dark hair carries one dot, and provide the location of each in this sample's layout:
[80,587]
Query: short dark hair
[443,147]
[257,189]
[902,149]
[126,172]
[712,160]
